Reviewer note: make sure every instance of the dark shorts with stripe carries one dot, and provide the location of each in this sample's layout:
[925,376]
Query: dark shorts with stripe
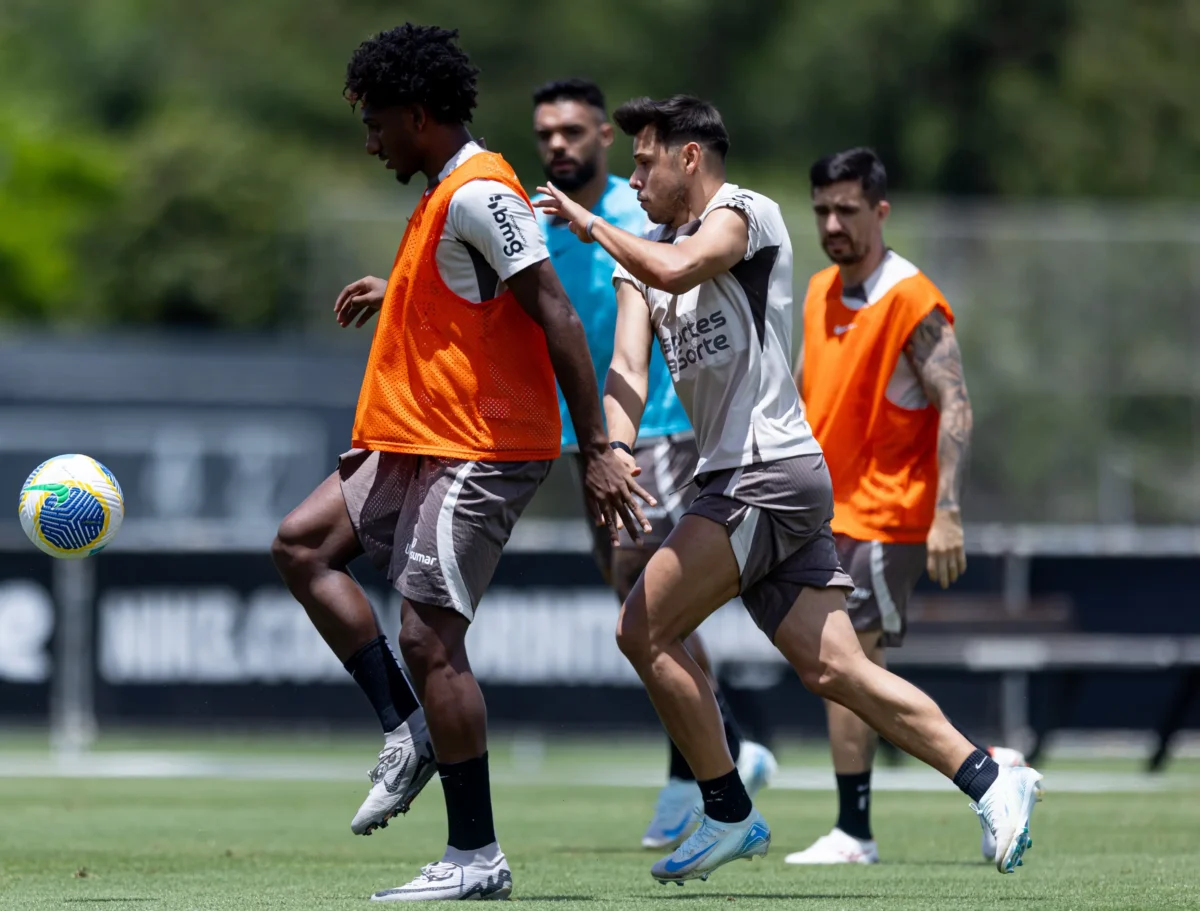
[777,515]
[884,578]
[436,526]
[668,466]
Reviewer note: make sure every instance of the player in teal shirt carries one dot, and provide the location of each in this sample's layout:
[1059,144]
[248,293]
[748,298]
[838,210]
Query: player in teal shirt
[573,135]
[586,272]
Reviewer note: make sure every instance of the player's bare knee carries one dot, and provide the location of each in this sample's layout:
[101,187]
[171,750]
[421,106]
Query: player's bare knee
[431,638]
[292,550]
[826,679]
[633,642]
[281,554]
[421,648]
[633,636]
[813,678]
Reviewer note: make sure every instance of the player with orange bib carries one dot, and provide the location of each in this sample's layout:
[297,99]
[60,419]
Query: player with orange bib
[881,377]
[456,428]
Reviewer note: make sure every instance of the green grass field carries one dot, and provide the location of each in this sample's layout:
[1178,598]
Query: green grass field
[145,844]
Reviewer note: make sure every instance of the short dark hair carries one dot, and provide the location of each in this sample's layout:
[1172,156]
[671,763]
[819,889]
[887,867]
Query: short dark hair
[414,64]
[861,164]
[573,89]
[678,119]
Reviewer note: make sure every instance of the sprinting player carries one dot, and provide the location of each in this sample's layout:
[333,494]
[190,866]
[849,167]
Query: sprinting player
[573,136]
[880,373]
[714,283]
[457,426]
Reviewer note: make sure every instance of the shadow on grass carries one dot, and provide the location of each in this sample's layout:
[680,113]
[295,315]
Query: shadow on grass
[556,898]
[821,896]
[775,896]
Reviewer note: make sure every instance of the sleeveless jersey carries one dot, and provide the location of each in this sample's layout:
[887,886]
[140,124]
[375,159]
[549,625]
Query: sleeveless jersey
[449,377]
[882,456]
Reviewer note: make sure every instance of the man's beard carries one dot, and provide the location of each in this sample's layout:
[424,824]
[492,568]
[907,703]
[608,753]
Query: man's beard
[580,177]
[850,254]
[673,200]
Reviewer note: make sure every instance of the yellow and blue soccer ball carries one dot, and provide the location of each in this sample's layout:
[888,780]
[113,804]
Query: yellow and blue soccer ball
[71,506]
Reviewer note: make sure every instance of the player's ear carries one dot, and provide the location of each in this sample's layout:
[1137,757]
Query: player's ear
[417,114]
[884,209]
[691,155]
[606,135]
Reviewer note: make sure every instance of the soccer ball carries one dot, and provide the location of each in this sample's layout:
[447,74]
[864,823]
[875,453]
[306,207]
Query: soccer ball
[71,506]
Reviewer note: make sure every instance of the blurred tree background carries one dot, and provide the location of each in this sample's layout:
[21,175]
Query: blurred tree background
[157,157]
[193,166]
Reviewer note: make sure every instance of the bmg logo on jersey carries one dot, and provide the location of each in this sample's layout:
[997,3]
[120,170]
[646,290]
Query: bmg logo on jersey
[695,341]
[514,240]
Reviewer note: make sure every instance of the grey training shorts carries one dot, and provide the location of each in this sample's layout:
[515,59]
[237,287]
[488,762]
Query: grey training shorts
[777,515]
[884,578]
[436,526]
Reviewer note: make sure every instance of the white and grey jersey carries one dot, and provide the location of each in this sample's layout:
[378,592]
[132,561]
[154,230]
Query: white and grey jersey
[728,343]
[490,235]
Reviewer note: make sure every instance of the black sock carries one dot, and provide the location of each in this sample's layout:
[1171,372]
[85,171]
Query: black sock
[679,767]
[377,672]
[854,804]
[725,798]
[733,733]
[976,775]
[468,803]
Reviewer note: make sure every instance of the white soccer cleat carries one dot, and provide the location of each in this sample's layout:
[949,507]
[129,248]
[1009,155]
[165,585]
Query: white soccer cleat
[711,846]
[987,842]
[756,766]
[675,814]
[836,848]
[406,763]
[1005,810]
[481,875]
[1004,756]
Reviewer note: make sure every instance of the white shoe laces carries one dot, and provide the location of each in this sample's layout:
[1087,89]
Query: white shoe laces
[388,757]
[987,809]
[983,817]
[697,838]
[435,872]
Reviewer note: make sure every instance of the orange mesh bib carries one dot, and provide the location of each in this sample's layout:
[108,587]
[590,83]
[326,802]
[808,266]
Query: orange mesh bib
[448,377]
[882,458]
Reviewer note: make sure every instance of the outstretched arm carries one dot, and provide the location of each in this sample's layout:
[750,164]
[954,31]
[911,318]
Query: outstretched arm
[933,351]
[628,379]
[720,244]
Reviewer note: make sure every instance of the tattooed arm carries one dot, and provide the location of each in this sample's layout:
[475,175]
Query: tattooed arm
[933,351]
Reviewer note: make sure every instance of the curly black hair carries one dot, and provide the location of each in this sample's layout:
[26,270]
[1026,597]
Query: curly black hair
[414,64]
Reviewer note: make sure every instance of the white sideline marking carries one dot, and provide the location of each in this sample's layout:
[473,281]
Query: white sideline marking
[168,765]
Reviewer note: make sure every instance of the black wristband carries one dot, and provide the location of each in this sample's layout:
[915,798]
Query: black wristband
[624,447]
